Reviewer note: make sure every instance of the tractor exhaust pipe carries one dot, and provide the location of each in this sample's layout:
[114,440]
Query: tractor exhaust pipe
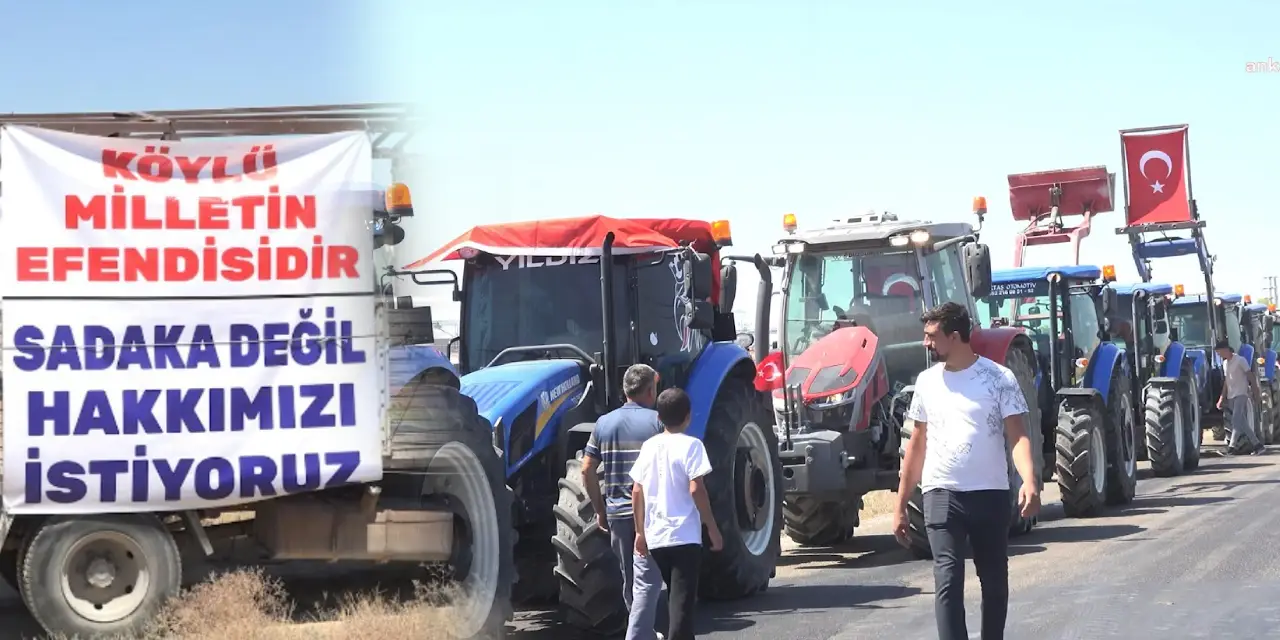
[764,298]
[606,313]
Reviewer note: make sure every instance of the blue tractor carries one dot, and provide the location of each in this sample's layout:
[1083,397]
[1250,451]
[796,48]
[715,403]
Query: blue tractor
[1087,416]
[1167,382]
[552,314]
[1244,325]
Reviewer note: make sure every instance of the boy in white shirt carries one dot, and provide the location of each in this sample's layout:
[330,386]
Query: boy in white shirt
[671,504]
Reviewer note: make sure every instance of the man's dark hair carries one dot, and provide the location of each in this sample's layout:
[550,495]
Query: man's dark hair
[673,407]
[1223,344]
[951,318]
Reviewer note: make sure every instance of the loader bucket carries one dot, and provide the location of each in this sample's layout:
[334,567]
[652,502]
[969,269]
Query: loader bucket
[1087,189]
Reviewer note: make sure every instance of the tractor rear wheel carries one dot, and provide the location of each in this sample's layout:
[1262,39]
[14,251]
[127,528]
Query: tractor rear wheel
[1122,447]
[1022,364]
[745,488]
[1166,437]
[1082,460]
[1191,409]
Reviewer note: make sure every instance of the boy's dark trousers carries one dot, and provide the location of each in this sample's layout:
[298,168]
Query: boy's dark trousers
[679,566]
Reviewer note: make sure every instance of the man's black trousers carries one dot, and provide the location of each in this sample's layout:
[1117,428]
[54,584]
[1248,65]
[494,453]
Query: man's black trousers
[957,522]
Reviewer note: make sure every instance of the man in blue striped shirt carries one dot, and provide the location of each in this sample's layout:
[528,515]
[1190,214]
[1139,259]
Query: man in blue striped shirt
[614,445]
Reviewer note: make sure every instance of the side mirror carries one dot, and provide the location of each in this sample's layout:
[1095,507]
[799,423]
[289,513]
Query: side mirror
[1110,301]
[453,350]
[1159,312]
[728,287]
[701,271]
[746,340]
[411,326]
[977,269]
[1162,327]
[701,315]
[1173,335]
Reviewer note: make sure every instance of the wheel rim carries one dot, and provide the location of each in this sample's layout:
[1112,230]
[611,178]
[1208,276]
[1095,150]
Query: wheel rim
[1179,434]
[755,488]
[1098,460]
[105,577]
[1130,444]
[461,475]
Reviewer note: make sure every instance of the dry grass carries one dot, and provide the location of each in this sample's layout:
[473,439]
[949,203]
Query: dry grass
[249,605]
[878,503]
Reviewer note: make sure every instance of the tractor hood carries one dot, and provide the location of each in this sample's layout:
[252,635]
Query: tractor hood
[506,390]
[834,364]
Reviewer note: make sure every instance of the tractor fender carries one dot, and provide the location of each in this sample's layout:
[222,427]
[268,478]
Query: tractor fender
[1174,356]
[1082,396]
[1102,368]
[994,343]
[1198,366]
[1269,367]
[708,373]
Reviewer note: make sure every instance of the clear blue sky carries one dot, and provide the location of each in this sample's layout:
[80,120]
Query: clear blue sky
[735,109]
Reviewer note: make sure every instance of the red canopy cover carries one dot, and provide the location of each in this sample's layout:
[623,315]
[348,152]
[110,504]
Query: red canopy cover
[576,237]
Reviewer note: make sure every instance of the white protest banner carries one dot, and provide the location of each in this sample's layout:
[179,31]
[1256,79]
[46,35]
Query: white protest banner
[174,340]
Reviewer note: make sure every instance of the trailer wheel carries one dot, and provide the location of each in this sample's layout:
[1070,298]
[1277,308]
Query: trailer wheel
[590,577]
[1082,460]
[1191,406]
[100,575]
[1166,437]
[1122,448]
[442,427]
[745,490]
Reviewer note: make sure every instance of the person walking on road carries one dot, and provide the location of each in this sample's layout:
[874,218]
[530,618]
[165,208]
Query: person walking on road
[671,505]
[966,410]
[1239,386]
[616,442]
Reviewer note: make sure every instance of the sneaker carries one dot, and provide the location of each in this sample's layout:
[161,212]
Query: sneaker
[660,636]
[1261,449]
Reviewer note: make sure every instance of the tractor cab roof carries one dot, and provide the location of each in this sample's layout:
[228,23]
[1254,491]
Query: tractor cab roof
[876,228]
[578,237]
[1150,288]
[1256,308]
[1025,274]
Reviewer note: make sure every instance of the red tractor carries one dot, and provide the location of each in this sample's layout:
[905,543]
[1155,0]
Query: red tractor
[851,345]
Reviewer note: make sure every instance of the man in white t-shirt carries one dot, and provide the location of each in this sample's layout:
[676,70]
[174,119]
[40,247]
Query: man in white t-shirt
[671,504]
[966,409]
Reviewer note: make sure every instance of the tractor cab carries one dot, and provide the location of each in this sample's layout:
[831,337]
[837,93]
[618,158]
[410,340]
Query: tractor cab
[553,312]
[1063,305]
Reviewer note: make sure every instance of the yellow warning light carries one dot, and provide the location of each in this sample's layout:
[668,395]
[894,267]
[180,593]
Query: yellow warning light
[1109,273]
[789,222]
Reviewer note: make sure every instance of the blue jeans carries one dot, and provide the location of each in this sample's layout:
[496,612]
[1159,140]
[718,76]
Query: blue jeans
[641,580]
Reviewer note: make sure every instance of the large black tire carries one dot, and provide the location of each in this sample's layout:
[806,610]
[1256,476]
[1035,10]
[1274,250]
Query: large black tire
[440,429]
[1122,442]
[816,523]
[1192,411]
[745,488]
[917,533]
[137,543]
[1081,447]
[1022,363]
[1268,429]
[1163,419]
[588,570]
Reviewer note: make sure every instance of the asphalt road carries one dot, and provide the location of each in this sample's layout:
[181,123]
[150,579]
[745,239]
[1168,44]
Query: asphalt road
[1191,557]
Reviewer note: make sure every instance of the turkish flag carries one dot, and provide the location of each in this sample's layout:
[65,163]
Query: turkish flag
[1156,175]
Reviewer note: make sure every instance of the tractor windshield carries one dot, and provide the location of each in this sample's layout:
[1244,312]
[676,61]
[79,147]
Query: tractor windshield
[1192,323]
[880,291]
[1020,304]
[530,302]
